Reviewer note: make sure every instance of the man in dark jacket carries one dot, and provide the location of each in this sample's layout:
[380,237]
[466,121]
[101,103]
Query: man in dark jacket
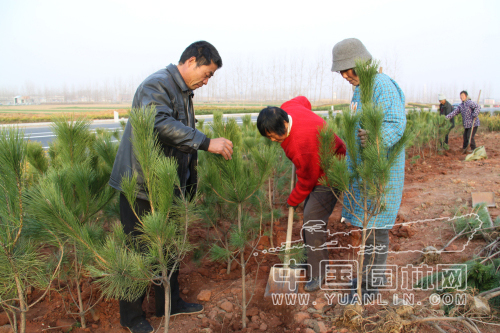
[170,90]
[445,109]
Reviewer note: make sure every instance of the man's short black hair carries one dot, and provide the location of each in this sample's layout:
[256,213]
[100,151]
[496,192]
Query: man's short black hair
[270,120]
[204,52]
[464,92]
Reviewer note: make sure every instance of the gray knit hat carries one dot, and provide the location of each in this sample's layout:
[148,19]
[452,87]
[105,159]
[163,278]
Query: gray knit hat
[346,52]
[441,97]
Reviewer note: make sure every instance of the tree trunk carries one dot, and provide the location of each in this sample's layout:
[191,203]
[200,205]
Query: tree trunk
[229,260]
[166,285]
[228,269]
[243,273]
[22,305]
[78,291]
[80,304]
[15,323]
[243,294]
[363,244]
[272,213]
[361,261]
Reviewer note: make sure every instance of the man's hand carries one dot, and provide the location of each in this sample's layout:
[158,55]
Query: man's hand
[363,136]
[222,147]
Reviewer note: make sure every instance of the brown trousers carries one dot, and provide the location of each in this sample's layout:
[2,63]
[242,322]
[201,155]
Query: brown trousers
[318,207]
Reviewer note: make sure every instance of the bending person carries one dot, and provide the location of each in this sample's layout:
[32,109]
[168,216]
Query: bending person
[296,127]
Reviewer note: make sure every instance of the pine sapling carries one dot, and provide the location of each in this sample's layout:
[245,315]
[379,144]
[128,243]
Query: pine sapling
[71,195]
[125,264]
[236,181]
[365,169]
[22,266]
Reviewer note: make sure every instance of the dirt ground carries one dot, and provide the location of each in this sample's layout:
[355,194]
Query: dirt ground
[434,188]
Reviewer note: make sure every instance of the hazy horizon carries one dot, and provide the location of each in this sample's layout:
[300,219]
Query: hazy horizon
[428,47]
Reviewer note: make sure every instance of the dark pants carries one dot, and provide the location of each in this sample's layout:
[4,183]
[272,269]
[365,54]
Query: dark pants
[467,136]
[317,209]
[378,238]
[131,312]
[447,134]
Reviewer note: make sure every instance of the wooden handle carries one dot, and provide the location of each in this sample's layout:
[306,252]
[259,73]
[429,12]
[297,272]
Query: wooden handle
[290,223]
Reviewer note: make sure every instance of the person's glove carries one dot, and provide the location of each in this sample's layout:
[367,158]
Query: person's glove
[363,136]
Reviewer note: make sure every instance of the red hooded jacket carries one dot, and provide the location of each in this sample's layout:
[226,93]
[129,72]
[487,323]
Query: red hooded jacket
[301,147]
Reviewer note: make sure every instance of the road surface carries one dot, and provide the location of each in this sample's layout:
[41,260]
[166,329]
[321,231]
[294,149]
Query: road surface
[42,132]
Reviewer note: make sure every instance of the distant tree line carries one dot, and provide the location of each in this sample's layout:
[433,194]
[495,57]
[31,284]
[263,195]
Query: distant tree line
[245,79]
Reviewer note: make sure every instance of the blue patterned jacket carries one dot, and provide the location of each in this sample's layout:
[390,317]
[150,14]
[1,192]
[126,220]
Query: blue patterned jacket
[469,111]
[390,97]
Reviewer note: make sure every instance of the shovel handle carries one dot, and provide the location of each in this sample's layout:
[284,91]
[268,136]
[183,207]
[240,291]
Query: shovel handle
[290,223]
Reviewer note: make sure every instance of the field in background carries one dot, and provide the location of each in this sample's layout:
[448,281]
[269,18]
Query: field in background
[11,114]
[40,113]
[45,113]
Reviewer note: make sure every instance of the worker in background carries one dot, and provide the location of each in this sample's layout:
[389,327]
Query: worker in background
[445,108]
[470,112]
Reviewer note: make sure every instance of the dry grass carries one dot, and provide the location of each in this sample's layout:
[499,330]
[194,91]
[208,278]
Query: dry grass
[10,114]
[48,112]
[12,118]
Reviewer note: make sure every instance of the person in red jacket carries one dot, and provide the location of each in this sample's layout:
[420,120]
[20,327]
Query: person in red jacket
[296,127]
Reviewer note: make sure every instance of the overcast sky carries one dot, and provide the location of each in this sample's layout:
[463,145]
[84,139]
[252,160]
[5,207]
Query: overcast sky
[437,43]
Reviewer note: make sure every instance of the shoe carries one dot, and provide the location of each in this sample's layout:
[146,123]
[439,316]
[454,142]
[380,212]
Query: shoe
[185,308]
[314,284]
[141,327]
[299,265]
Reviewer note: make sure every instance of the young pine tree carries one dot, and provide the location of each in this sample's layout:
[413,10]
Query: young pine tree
[22,266]
[367,169]
[126,264]
[69,198]
[236,181]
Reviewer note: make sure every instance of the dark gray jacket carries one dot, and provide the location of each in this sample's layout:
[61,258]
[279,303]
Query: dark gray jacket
[445,109]
[175,124]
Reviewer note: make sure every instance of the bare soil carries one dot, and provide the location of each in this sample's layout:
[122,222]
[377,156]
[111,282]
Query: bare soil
[434,187]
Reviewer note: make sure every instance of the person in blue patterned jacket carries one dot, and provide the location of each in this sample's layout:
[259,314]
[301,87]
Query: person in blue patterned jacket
[390,97]
[469,111]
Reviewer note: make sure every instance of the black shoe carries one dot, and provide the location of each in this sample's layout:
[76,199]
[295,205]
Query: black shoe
[141,327]
[185,308]
[299,265]
[314,284]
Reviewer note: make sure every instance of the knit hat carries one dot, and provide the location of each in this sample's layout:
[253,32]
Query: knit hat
[441,97]
[346,52]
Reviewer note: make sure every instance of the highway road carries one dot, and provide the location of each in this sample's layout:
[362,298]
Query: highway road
[42,132]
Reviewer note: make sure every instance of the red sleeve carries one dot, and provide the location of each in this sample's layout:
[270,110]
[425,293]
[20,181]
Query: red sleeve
[308,171]
[339,146]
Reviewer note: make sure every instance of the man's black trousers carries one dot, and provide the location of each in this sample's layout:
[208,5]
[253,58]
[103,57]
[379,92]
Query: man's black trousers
[131,312]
